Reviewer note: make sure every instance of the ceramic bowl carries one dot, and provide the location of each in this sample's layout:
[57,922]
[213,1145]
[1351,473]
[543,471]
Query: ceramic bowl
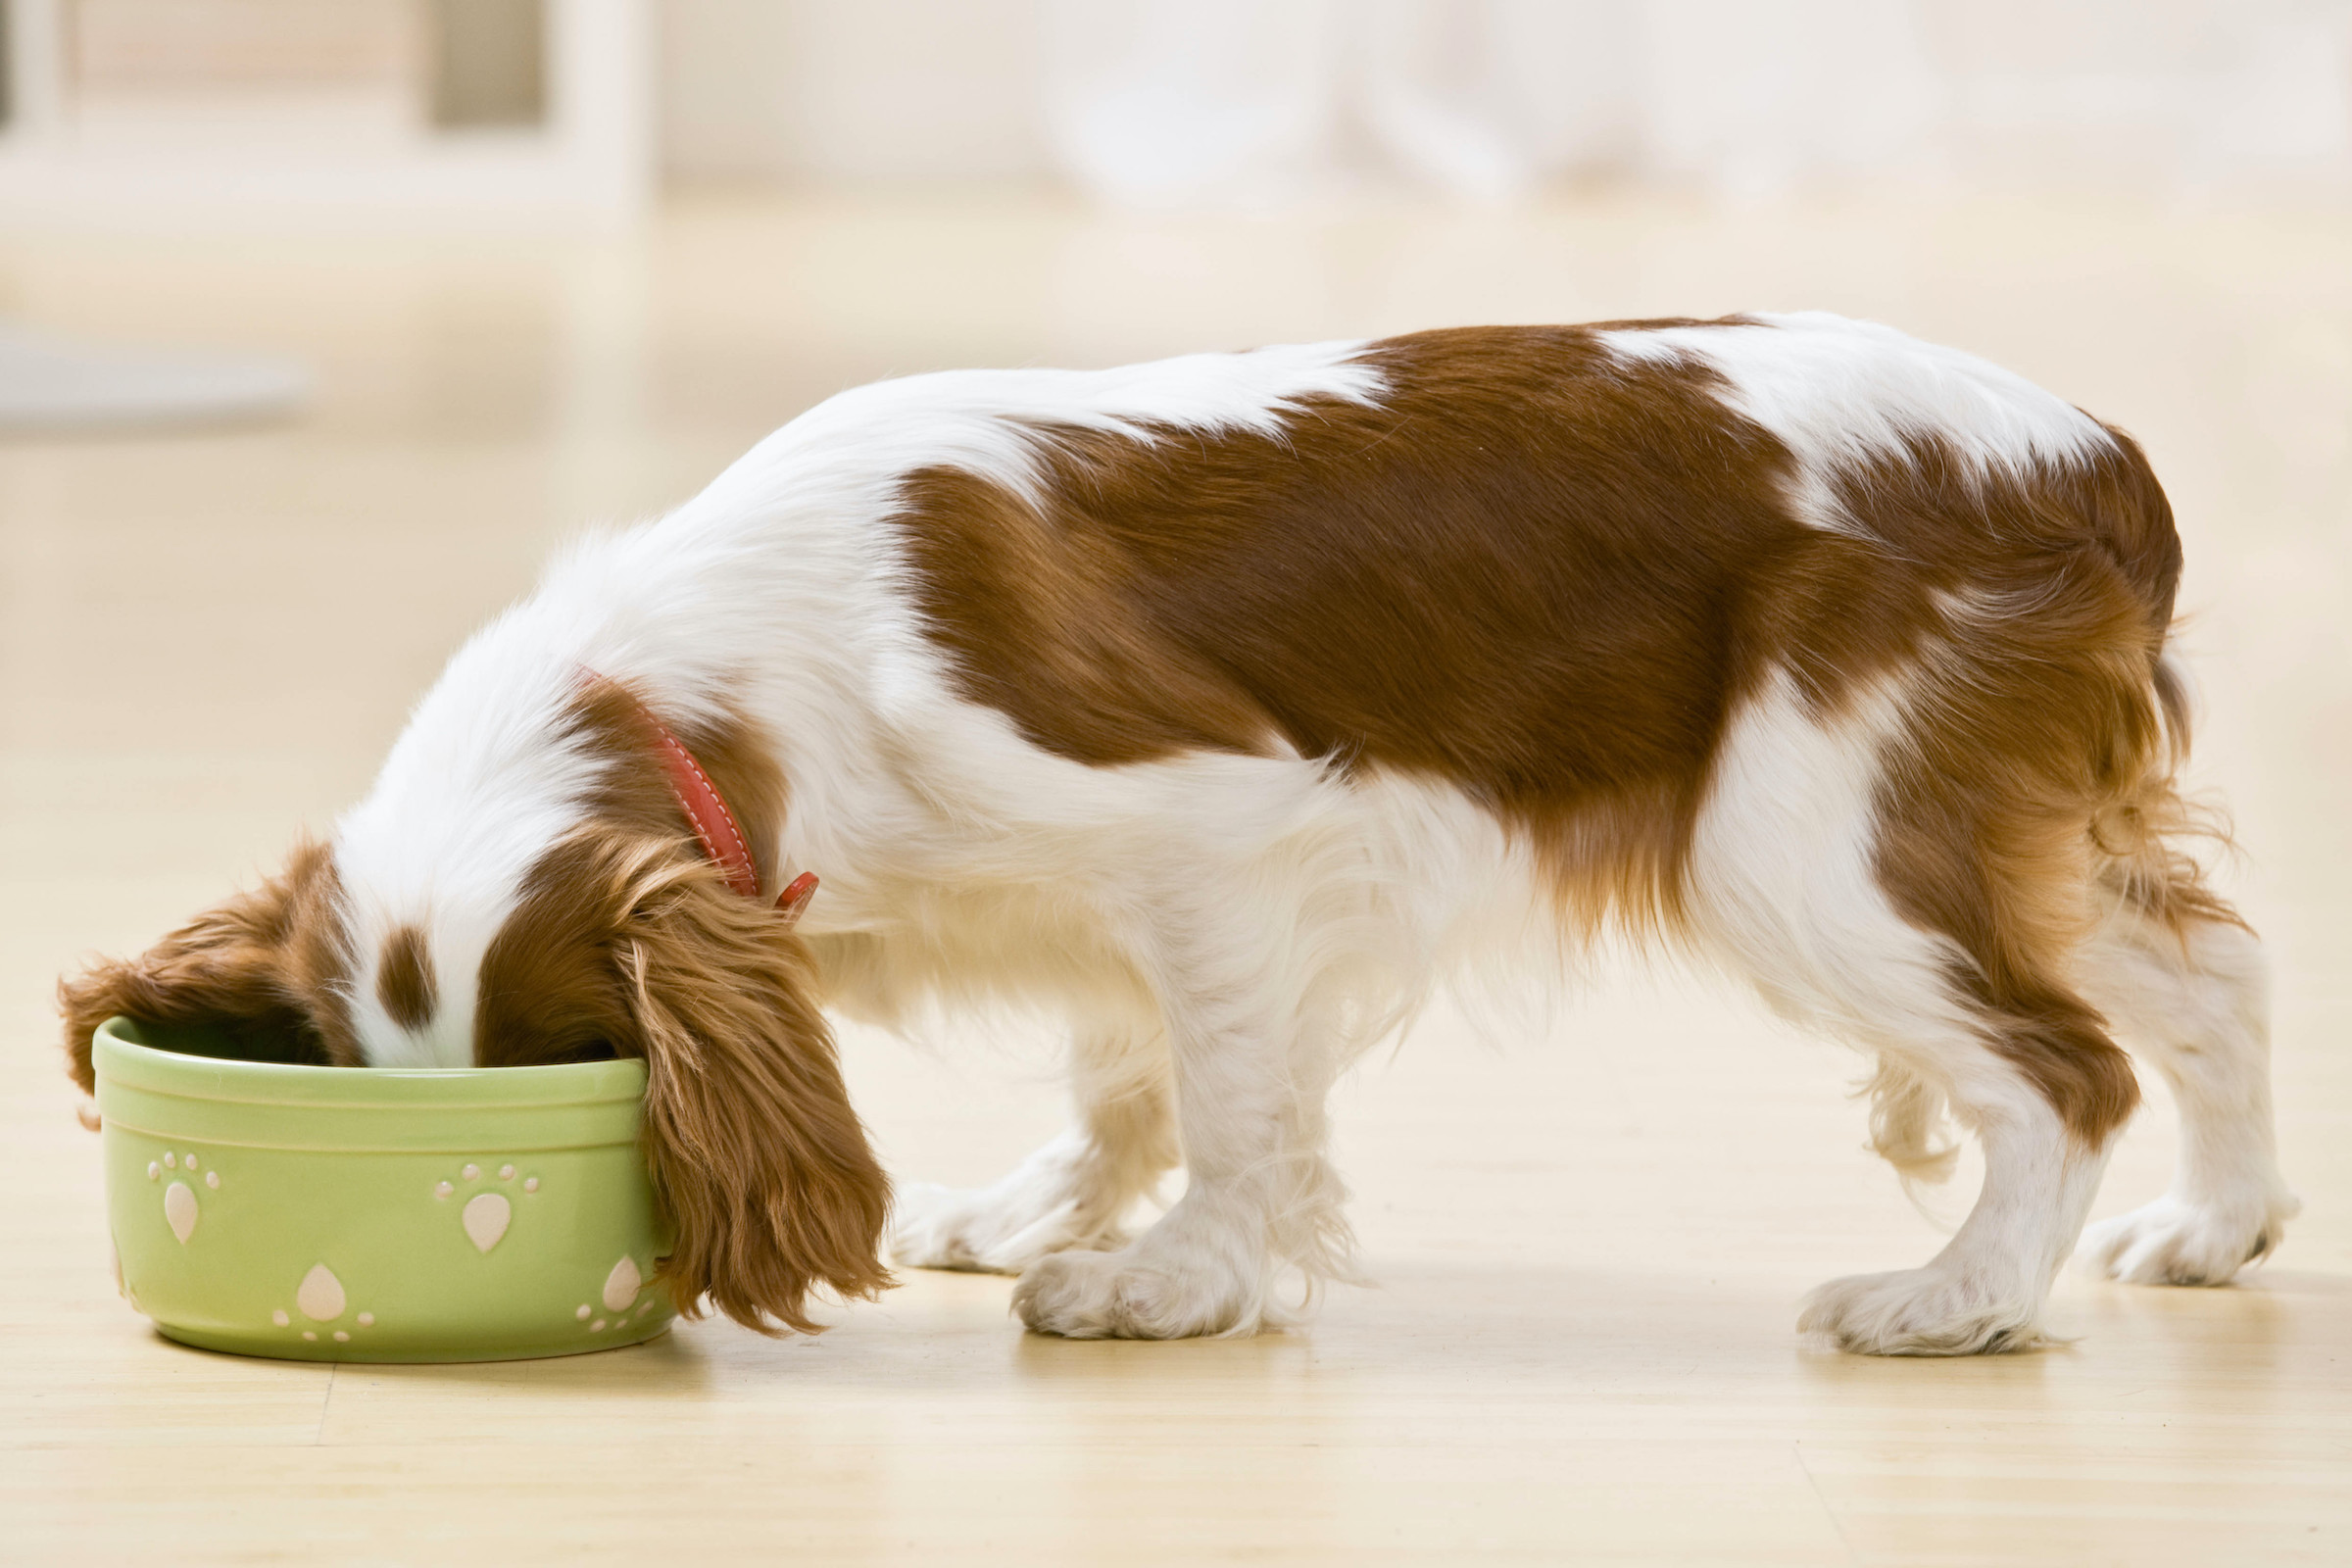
[377,1215]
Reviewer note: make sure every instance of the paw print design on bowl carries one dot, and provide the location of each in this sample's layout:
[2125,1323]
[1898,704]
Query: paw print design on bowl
[486,1214]
[181,1211]
[621,1289]
[320,1298]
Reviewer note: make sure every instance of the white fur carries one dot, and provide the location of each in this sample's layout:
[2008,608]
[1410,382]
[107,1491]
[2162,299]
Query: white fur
[1839,392]
[475,789]
[1224,933]
[2200,1010]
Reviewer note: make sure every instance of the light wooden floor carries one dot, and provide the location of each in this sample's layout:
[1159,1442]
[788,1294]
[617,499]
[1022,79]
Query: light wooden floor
[1591,1237]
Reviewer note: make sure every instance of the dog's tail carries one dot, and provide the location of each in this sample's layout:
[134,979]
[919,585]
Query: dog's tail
[2148,834]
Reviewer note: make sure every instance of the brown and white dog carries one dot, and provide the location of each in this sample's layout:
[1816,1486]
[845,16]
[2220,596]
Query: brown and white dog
[1224,704]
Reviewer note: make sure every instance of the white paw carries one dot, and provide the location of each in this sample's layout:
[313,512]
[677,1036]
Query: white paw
[2170,1242]
[1118,1296]
[1920,1311]
[995,1230]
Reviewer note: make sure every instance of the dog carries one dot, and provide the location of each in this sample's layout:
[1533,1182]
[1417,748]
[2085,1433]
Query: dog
[1225,704]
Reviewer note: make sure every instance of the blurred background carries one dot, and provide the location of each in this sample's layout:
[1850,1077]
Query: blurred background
[588,108]
[322,320]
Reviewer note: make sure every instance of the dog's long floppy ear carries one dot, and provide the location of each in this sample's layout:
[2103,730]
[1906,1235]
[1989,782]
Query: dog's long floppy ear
[754,1147]
[262,967]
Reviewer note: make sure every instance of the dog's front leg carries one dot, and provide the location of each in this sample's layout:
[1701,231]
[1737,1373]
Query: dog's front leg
[1254,1043]
[1075,1191]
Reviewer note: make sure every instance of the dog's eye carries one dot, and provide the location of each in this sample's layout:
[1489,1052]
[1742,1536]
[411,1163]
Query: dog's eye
[593,1051]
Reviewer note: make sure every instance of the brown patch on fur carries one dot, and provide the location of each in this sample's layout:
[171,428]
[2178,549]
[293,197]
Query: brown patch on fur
[1548,576]
[268,965]
[404,979]
[1520,574]
[1094,679]
[628,941]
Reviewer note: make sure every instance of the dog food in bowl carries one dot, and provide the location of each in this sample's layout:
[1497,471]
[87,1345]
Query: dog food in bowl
[275,1207]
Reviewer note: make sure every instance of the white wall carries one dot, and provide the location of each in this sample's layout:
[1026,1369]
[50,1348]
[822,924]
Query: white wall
[1226,101]
[920,89]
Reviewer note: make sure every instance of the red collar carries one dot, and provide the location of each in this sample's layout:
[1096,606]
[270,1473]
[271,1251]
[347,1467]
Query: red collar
[712,822]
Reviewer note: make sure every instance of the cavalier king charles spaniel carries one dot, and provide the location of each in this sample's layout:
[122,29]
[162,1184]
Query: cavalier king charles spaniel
[1222,707]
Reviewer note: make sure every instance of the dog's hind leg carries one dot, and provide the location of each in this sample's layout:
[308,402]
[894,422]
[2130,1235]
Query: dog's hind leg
[1984,1290]
[1859,907]
[2189,992]
[1076,1191]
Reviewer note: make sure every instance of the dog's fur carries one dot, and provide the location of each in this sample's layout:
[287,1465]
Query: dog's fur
[1226,703]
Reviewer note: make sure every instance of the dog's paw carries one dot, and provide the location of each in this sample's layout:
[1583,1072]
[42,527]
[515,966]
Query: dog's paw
[2170,1242]
[1920,1311]
[1118,1296]
[995,1230]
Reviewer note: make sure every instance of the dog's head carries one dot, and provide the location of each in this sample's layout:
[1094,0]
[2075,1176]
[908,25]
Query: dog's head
[617,936]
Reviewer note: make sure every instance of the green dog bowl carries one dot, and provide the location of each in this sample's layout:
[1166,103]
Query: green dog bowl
[377,1215]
